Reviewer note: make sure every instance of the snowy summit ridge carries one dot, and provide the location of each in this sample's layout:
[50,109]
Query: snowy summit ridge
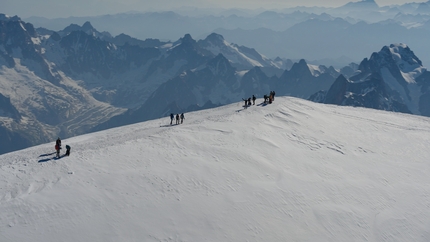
[289,171]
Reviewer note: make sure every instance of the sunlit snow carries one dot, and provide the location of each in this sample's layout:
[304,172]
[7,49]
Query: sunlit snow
[292,170]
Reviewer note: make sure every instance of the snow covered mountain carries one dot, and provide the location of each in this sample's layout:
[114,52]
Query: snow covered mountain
[67,82]
[372,92]
[303,80]
[240,56]
[391,79]
[293,170]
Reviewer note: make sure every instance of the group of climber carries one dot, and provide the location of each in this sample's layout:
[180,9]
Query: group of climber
[178,118]
[58,148]
[248,101]
[267,99]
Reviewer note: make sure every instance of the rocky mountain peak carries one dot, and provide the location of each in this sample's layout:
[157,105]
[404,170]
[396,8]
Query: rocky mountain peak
[215,39]
[301,68]
[4,17]
[87,26]
[18,35]
[188,49]
[187,43]
[187,39]
[220,65]
[392,79]
[402,53]
[396,57]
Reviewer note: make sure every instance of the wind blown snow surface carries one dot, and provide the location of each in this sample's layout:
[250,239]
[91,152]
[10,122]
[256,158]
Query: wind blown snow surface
[292,170]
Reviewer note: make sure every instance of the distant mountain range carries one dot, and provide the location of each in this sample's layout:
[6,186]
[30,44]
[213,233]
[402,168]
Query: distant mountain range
[313,33]
[78,80]
[317,39]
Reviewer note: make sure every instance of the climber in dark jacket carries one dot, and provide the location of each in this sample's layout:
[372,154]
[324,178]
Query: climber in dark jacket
[67,150]
[171,118]
[182,117]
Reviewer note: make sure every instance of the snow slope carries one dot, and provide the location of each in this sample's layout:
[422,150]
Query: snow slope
[289,171]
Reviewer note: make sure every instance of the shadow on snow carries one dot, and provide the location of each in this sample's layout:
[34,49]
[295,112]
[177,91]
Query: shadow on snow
[48,159]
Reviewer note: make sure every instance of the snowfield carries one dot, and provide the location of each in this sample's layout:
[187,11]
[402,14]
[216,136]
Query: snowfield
[288,171]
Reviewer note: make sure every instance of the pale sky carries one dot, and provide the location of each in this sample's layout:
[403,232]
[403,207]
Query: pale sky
[77,8]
